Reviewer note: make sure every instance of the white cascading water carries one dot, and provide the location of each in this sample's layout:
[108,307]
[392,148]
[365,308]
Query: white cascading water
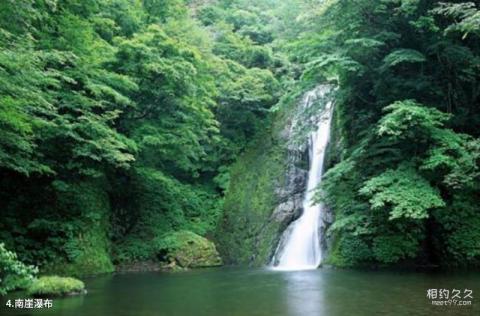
[301,242]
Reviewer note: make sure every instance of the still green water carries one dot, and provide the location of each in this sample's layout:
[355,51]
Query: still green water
[246,292]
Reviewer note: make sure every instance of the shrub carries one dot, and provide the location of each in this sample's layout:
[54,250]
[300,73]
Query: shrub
[13,273]
[56,286]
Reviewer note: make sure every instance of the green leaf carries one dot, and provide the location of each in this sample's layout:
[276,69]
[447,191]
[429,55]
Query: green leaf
[403,193]
[403,55]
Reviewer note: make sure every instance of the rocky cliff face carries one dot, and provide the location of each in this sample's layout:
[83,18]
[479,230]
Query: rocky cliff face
[290,193]
[267,186]
[266,193]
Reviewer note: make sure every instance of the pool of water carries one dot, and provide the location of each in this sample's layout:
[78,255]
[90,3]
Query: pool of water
[248,292]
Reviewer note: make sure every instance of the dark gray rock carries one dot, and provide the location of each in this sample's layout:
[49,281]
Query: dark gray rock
[290,194]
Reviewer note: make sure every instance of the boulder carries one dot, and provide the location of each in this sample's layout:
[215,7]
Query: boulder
[185,249]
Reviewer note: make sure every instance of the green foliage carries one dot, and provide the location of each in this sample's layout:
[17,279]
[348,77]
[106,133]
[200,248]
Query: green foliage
[400,56]
[391,249]
[119,120]
[55,286]
[408,120]
[162,205]
[403,119]
[13,273]
[467,17]
[60,97]
[161,10]
[19,78]
[349,251]
[246,95]
[455,157]
[408,194]
[74,224]
[242,50]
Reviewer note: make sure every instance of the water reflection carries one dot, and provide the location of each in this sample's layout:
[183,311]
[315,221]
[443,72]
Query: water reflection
[304,293]
[326,292]
[250,292]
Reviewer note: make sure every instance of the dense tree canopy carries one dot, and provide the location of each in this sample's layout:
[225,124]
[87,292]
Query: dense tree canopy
[120,119]
[408,110]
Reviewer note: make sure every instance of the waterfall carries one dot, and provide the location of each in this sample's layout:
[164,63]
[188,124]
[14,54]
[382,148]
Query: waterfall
[299,247]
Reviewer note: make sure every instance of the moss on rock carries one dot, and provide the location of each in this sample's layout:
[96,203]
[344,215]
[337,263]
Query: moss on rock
[184,249]
[247,234]
[56,286]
